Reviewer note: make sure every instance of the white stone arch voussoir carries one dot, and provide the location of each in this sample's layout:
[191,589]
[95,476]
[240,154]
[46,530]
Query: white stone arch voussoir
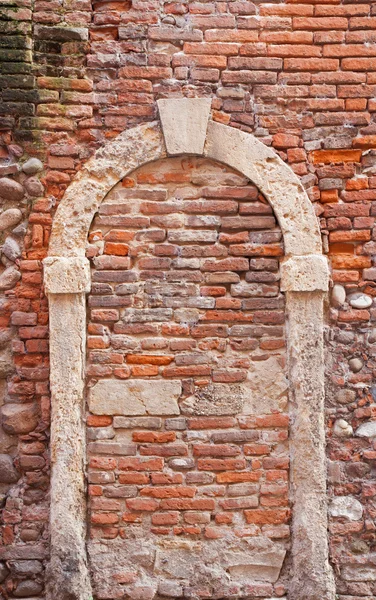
[185,128]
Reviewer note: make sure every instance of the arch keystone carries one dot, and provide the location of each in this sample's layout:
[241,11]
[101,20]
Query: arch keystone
[184,124]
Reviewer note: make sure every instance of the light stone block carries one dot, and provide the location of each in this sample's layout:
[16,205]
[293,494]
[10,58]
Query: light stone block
[184,123]
[308,273]
[135,397]
[346,507]
[66,275]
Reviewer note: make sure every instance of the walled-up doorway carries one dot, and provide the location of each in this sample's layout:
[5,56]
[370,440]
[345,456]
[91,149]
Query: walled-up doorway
[187,394]
[186,430]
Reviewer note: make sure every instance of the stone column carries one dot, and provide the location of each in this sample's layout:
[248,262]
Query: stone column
[305,281]
[66,282]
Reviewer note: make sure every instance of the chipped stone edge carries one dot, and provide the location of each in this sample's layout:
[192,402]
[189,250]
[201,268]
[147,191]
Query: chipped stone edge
[312,574]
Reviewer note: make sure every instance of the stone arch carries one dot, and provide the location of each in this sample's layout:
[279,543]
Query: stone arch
[185,128]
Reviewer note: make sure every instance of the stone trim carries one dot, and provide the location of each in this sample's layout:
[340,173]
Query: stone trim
[66,275]
[184,124]
[305,274]
[305,280]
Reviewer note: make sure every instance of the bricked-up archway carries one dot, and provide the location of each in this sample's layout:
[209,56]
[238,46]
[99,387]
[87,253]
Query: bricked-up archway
[186,129]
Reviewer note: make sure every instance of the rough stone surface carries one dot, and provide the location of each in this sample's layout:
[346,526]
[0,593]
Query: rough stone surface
[367,430]
[136,397]
[19,418]
[66,275]
[9,278]
[356,364]
[305,274]
[342,428]
[8,474]
[33,186]
[11,249]
[347,507]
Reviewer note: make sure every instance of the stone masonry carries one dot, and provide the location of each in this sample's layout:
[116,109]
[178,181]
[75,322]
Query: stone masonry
[188,416]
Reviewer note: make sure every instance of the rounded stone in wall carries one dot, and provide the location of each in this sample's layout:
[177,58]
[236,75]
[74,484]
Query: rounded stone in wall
[32,166]
[8,474]
[9,278]
[27,588]
[10,218]
[10,189]
[19,418]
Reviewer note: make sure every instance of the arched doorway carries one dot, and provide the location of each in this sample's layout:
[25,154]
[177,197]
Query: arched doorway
[187,130]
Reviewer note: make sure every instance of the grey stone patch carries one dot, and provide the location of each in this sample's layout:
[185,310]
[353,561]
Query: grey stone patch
[147,315]
[11,190]
[32,166]
[263,562]
[11,249]
[26,567]
[338,295]
[342,429]
[360,301]
[170,589]
[135,397]
[187,315]
[215,399]
[181,463]
[20,230]
[266,387]
[143,423]
[9,278]
[61,34]
[100,433]
[366,430]
[346,506]
[8,474]
[10,218]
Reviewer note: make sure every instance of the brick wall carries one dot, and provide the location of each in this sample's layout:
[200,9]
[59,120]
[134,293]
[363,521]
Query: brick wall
[301,77]
[185,288]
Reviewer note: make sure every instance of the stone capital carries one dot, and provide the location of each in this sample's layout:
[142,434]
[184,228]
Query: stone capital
[308,273]
[66,275]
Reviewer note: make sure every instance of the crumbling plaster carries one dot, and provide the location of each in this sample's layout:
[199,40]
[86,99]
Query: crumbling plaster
[304,279]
